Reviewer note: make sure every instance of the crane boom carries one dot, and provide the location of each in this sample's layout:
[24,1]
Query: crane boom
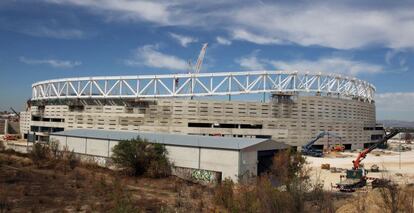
[307,148]
[200,59]
[319,136]
[14,111]
[362,155]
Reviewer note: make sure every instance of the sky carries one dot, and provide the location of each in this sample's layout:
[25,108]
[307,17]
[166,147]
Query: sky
[372,40]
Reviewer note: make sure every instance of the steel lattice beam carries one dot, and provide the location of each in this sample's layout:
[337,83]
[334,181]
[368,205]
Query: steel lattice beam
[201,84]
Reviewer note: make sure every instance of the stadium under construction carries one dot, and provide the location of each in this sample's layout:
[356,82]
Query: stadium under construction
[300,105]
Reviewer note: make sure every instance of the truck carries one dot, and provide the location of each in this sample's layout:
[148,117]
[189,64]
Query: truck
[356,177]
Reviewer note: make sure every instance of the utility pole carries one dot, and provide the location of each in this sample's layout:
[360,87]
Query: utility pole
[399,149]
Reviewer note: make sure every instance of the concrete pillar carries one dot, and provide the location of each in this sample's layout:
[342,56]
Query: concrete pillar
[6,126]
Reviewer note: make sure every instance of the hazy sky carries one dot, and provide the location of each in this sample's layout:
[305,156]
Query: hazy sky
[372,40]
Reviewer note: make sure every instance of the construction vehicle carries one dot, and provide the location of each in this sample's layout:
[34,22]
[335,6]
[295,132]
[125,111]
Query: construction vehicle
[307,149]
[357,176]
[10,137]
[338,148]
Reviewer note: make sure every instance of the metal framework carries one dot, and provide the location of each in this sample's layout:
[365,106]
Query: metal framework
[202,84]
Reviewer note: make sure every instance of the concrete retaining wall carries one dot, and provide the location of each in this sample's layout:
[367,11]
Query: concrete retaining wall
[219,161]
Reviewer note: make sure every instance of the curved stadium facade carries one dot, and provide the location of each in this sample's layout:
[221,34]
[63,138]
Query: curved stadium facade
[300,105]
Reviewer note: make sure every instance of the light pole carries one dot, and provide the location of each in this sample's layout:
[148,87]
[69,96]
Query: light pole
[399,149]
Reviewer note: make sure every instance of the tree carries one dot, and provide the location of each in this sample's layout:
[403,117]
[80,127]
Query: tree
[140,157]
[40,153]
[289,170]
[408,137]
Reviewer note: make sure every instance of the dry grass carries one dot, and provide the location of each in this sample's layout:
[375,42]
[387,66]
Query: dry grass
[24,187]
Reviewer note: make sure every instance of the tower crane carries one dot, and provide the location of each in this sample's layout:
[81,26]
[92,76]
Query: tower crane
[200,59]
[195,69]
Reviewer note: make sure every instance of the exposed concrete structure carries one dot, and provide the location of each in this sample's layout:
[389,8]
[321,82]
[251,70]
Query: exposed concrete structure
[294,121]
[9,127]
[233,158]
[341,105]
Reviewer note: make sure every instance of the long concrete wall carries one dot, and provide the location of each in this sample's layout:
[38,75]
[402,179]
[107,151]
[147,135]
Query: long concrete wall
[225,162]
[294,122]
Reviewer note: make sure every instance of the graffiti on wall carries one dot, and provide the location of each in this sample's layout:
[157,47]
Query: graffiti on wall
[202,175]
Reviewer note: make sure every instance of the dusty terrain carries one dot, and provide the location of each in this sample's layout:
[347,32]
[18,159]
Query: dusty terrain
[25,187]
[88,188]
[387,160]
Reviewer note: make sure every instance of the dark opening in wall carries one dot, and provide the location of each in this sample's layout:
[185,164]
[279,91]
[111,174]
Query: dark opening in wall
[78,108]
[376,137]
[57,120]
[367,145]
[251,126]
[226,126]
[34,128]
[35,118]
[319,147]
[57,129]
[200,125]
[46,119]
[264,136]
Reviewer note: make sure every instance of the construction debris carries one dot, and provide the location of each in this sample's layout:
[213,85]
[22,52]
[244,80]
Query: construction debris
[326,166]
[375,168]
[335,170]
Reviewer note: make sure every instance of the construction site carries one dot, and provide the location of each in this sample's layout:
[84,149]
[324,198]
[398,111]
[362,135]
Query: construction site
[212,135]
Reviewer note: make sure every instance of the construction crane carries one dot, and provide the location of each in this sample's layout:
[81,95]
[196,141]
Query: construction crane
[356,177]
[14,111]
[196,69]
[307,148]
[200,59]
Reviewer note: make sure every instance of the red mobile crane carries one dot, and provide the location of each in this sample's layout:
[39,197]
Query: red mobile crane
[356,177]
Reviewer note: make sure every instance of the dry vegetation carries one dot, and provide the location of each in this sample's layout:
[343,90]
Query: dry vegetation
[287,188]
[48,180]
[40,182]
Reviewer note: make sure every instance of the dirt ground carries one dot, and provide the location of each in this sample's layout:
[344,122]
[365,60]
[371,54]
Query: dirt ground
[88,188]
[388,162]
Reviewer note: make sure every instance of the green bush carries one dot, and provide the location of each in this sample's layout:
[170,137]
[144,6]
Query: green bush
[140,157]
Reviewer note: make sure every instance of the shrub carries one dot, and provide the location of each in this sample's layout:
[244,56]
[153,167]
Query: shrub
[224,194]
[140,157]
[39,153]
[246,200]
[2,147]
[395,198]
[122,198]
[289,170]
[68,159]
[54,149]
[271,198]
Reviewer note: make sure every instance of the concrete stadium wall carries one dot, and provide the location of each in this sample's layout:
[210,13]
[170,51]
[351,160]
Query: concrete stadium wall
[294,123]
